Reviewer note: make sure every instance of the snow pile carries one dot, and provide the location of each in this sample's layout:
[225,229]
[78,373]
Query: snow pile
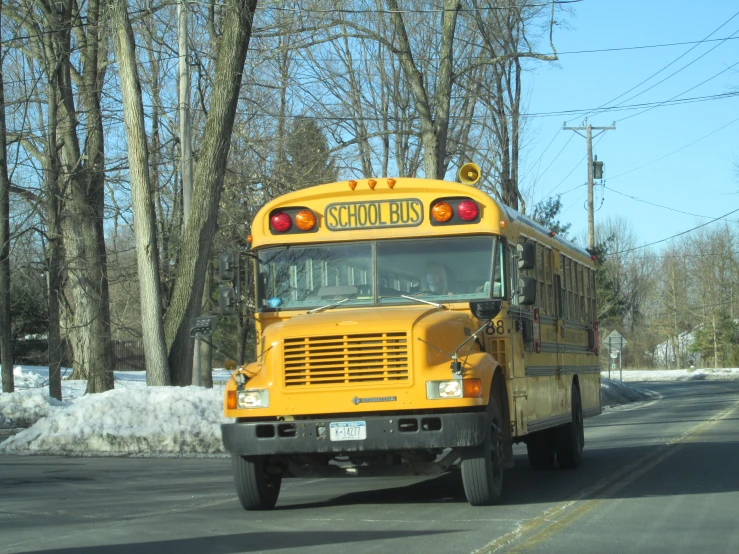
[155,421]
[23,408]
[28,379]
[701,374]
[613,393]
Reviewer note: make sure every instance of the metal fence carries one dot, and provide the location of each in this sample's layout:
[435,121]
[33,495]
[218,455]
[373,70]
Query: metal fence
[128,355]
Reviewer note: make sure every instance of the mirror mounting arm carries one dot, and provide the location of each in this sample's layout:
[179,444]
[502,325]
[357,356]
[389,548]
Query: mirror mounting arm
[456,363]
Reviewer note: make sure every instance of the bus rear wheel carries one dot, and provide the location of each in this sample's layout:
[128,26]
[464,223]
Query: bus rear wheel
[257,489]
[571,437]
[482,467]
[540,447]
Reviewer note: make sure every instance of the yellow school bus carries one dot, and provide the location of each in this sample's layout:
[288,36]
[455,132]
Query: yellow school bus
[411,327]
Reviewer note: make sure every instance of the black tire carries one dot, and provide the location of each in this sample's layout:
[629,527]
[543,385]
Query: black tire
[482,466]
[571,437]
[540,447]
[257,490]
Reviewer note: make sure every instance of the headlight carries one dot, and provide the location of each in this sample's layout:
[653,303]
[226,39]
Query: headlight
[456,388]
[450,389]
[253,398]
[444,389]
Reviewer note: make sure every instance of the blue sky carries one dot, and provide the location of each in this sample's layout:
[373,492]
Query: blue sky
[700,179]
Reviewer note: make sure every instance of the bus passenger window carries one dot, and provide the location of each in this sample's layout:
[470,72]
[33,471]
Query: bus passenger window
[498,271]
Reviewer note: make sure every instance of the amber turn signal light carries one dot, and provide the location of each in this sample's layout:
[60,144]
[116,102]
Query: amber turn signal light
[305,220]
[442,212]
[472,388]
[231,400]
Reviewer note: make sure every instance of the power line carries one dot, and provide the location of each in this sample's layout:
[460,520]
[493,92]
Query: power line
[669,64]
[675,235]
[432,11]
[657,105]
[637,199]
[675,151]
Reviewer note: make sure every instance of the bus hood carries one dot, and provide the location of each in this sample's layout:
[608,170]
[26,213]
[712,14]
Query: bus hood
[361,320]
[428,333]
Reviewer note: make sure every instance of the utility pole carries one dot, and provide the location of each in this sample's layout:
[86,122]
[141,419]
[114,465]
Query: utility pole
[588,128]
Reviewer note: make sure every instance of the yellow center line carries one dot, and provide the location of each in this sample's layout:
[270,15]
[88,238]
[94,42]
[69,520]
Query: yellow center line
[558,517]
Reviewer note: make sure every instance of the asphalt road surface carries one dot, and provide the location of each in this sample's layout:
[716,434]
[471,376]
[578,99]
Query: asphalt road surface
[657,477]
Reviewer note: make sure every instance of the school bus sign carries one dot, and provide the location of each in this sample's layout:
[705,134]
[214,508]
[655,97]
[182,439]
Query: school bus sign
[345,216]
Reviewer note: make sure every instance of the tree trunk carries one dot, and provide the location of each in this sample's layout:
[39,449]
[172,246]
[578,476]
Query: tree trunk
[157,366]
[198,235]
[82,223]
[433,133]
[53,247]
[6,344]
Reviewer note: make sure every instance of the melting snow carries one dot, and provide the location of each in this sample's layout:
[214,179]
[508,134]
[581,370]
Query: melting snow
[136,420]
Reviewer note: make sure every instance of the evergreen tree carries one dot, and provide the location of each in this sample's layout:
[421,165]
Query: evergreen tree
[309,162]
[545,213]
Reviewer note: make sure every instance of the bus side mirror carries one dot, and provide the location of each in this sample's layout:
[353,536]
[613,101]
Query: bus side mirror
[526,291]
[485,310]
[226,266]
[227,300]
[526,255]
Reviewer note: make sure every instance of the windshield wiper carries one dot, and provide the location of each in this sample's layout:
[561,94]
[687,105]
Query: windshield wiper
[421,301]
[328,306]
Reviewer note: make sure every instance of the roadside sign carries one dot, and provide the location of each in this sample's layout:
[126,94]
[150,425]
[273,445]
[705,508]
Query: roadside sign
[615,342]
[614,355]
[613,365]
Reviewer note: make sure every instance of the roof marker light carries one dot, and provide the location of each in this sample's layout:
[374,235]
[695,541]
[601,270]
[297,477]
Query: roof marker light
[372,183]
[442,212]
[281,222]
[391,183]
[305,220]
[468,210]
[352,185]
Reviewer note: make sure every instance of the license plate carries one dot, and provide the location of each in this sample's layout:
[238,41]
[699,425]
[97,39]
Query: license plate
[348,430]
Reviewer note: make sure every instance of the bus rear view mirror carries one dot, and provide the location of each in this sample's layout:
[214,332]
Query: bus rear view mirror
[226,266]
[526,291]
[227,300]
[526,255]
[485,310]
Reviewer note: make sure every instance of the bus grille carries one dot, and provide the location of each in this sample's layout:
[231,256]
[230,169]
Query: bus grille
[346,359]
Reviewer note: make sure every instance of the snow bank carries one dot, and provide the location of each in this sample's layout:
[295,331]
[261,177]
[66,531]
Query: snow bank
[23,408]
[613,393]
[701,374]
[136,420]
[156,421]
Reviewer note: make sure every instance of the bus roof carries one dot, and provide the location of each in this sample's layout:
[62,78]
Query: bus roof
[319,197]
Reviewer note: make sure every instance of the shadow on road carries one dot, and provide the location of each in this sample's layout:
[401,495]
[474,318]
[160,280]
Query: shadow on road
[247,542]
[694,468]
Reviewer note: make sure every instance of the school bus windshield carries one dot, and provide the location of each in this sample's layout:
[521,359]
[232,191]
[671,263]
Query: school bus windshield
[444,269]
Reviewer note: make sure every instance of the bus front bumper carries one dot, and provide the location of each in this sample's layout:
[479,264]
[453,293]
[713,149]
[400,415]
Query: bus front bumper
[381,434]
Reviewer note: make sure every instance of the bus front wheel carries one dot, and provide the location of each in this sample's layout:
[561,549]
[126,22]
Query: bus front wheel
[571,437]
[482,466]
[257,489]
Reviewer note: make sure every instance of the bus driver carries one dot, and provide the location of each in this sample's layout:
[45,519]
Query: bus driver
[436,279]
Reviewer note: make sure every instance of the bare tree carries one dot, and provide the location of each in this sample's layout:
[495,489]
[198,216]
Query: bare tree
[198,235]
[6,344]
[147,252]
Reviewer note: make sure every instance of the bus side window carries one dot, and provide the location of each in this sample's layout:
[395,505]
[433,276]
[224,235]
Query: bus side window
[541,298]
[548,279]
[558,295]
[562,288]
[512,274]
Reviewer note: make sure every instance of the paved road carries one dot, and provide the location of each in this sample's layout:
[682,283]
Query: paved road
[661,477]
